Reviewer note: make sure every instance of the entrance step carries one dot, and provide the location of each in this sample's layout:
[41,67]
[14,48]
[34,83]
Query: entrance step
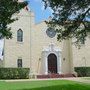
[55,76]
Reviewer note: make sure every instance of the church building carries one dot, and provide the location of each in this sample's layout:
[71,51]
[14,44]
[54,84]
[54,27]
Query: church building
[35,46]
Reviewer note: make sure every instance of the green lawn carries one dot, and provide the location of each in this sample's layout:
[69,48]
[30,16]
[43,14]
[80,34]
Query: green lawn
[44,85]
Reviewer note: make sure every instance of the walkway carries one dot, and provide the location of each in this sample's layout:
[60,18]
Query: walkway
[78,79]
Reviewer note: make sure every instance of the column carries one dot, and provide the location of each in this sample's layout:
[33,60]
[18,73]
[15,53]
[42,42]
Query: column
[59,62]
[46,64]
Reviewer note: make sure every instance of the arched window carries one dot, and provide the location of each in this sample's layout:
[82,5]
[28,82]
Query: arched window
[20,35]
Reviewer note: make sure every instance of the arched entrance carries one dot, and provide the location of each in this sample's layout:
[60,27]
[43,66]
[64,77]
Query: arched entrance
[52,63]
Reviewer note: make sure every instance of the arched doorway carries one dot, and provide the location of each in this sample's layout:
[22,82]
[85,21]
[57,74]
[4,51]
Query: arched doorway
[52,63]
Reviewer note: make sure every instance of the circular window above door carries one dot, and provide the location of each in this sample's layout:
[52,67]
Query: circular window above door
[51,32]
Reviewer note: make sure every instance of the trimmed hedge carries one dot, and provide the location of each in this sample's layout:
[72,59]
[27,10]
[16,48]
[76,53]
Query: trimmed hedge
[83,71]
[14,73]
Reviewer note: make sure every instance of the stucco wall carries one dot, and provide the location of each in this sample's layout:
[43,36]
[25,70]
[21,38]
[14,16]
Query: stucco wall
[40,40]
[14,49]
[81,57]
[1,63]
[35,40]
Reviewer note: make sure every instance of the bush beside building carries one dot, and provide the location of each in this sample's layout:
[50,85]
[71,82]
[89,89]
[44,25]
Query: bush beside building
[14,73]
[83,71]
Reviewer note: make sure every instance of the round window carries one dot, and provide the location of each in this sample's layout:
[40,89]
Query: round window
[51,32]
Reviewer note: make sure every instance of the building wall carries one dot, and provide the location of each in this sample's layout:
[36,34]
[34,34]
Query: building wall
[40,40]
[35,41]
[14,49]
[1,63]
[81,57]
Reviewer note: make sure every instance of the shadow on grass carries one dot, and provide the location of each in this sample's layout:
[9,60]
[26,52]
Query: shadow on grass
[63,87]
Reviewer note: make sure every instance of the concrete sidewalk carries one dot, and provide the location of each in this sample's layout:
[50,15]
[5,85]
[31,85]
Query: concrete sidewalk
[78,79]
[81,79]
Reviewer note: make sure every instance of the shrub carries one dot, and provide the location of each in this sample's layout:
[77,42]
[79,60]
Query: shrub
[14,73]
[83,71]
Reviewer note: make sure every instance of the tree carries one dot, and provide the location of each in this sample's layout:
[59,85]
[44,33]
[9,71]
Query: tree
[7,9]
[73,15]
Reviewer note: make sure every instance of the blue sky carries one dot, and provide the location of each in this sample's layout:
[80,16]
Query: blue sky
[37,6]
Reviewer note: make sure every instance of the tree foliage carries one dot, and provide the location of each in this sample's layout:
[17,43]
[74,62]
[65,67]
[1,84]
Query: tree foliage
[73,15]
[7,9]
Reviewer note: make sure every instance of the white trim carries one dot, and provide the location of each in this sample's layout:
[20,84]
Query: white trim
[55,50]
[46,66]
[59,63]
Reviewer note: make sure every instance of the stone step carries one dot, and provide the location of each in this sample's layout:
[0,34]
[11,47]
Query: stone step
[55,76]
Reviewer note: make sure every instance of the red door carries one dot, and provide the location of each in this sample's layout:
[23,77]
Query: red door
[52,63]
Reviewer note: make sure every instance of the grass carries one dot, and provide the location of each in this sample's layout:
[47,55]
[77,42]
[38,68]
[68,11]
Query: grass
[44,85]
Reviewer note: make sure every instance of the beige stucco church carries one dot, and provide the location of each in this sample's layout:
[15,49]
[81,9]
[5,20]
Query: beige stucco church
[36,47]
